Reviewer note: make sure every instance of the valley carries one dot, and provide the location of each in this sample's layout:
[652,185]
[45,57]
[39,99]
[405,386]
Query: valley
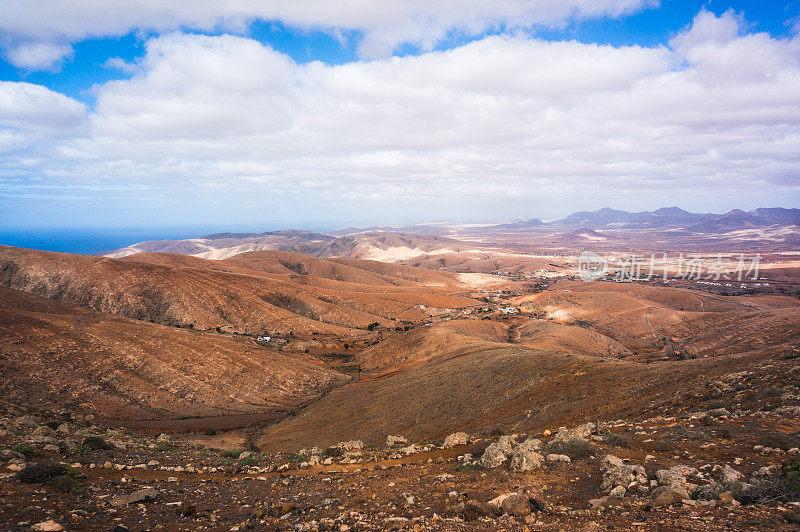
[288,356]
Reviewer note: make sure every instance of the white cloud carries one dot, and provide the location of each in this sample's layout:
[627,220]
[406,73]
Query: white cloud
[717,112]
[50,25]
[38,55]
[32,116]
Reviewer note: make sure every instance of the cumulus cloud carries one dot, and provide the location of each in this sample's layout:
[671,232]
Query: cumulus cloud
[716,110]
[38,55]
[33,117]
[35,32]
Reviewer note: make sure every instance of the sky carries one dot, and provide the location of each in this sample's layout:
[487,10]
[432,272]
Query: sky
[259,115]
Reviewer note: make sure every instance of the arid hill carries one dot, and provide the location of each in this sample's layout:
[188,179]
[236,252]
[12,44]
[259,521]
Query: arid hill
[59,356]
[252,293]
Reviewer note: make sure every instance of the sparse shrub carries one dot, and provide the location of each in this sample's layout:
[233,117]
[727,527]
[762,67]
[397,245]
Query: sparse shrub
[233,453]
[664,445]
[250,460]
[41,472]
[618,440]
[707,421]
[497,432]
[52,424]
[784,487]
[27,450]
[372,326]
[476,449]
[725,433]
[792,518]
[79,450]
[333,452]
[777,440]
[772,392]
[576,449]
[95,443]
[210,432]
[292,456]
[466,467]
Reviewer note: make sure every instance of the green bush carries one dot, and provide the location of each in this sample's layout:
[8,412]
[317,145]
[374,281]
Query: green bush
[233,453]
[27,450]
[576,449]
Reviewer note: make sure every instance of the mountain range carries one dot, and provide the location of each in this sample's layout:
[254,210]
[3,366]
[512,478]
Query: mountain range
[668,217]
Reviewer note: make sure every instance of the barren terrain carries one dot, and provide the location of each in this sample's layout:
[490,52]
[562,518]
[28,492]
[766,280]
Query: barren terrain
[277,376]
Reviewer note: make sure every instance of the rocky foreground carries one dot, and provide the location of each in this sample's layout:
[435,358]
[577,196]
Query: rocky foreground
[711,470]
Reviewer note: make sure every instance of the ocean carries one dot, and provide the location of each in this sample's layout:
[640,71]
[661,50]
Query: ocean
[88,241]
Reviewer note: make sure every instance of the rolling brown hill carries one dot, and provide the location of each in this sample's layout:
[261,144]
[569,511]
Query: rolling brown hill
[250,293]
[60,356]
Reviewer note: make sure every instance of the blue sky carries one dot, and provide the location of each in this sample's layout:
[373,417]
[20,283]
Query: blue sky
[653,26]
[142,117]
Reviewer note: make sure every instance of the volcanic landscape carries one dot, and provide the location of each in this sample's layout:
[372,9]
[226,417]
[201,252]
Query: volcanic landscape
[437,377]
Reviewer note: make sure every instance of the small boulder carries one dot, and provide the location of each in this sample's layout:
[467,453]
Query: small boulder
[391,441]
[456,438]
[497,453]
[581,432]
[730,477]
[617,473]
[44,431]
[355,445]
[526,456]
[675,478]
[617,493]
[516,505]
[47,526]
[665,496]
[137,496]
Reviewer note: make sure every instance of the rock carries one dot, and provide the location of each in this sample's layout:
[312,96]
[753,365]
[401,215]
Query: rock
[726,497]
[188,510]
[708,492]
[581,432]
[163,439]
[718,412]
[137,496]
[64,429]
[27,422]
[516,505]
[617,493]
[355,445]
[768,471]
[730,477]
[45,431]
[47,526]
[525,456]
[472,510]
[391,441]
[664,496]
[456,438]
[599,502]
[495,455]
[245,455]
[675,478]
[617,473]
[558,458]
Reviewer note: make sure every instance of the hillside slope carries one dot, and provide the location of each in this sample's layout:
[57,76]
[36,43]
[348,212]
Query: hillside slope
[252,293]
[60,356]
